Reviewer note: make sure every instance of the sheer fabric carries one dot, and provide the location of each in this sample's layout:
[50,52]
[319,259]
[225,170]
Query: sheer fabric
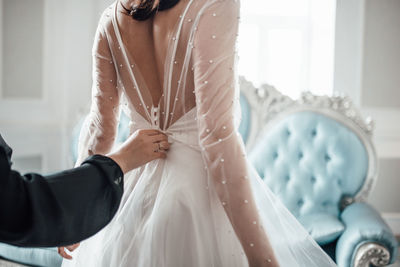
[204,205]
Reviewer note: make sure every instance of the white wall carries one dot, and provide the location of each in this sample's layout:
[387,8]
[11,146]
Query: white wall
[37,122]
[31,119]
[381,72]
[24,57]
[368,69]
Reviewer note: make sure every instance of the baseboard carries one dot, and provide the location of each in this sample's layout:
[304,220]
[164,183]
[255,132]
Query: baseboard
[393,220]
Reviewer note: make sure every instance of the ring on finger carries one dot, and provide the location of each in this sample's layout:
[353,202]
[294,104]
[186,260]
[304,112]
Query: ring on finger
[161,146]
[158,148]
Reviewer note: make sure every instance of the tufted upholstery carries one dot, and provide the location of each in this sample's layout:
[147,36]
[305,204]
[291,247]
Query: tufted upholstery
[323,227]
[310,162]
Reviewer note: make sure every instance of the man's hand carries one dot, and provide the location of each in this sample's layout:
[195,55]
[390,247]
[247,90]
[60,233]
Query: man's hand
[140,148]
[64,254]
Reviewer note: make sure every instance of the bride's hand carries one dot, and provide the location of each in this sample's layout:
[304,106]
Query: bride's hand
[64,254]
[140,148]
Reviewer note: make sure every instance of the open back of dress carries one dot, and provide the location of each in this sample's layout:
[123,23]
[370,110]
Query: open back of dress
[178,86]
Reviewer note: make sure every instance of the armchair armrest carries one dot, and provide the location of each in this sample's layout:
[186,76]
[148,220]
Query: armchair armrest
[366,240]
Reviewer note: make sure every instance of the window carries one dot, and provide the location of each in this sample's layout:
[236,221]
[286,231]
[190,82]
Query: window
[288,44]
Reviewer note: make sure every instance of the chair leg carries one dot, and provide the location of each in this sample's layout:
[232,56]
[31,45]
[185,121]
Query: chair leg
[371,254]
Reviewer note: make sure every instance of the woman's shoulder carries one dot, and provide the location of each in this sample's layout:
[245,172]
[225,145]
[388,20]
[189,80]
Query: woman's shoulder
[105,20]
[222,10]
[225,7]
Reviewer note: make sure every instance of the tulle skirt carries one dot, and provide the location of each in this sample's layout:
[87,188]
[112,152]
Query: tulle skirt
[171,216]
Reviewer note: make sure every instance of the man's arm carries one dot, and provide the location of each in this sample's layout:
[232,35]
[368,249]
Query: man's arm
[59,209]
[67,207]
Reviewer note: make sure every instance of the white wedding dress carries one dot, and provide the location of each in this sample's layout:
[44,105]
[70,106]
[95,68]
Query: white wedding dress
[204,205]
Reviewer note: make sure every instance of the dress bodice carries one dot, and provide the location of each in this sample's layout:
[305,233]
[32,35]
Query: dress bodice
[184,130]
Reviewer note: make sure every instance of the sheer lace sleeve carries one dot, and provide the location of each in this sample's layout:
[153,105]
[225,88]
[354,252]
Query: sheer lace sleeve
[214,59]
[99,130]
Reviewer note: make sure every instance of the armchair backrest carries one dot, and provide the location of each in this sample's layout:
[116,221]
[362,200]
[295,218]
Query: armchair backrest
[315,153]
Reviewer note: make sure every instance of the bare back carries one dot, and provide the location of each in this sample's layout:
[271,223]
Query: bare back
[151,52]
[158,62]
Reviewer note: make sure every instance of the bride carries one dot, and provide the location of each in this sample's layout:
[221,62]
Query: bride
[171,65]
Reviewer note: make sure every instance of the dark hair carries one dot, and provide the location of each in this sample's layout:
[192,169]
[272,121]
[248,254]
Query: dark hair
[144,10]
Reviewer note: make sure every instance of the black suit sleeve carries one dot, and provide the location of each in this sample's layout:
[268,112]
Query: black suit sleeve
[59,209]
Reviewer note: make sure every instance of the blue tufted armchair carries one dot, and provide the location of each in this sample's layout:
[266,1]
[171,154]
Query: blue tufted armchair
[317,156]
